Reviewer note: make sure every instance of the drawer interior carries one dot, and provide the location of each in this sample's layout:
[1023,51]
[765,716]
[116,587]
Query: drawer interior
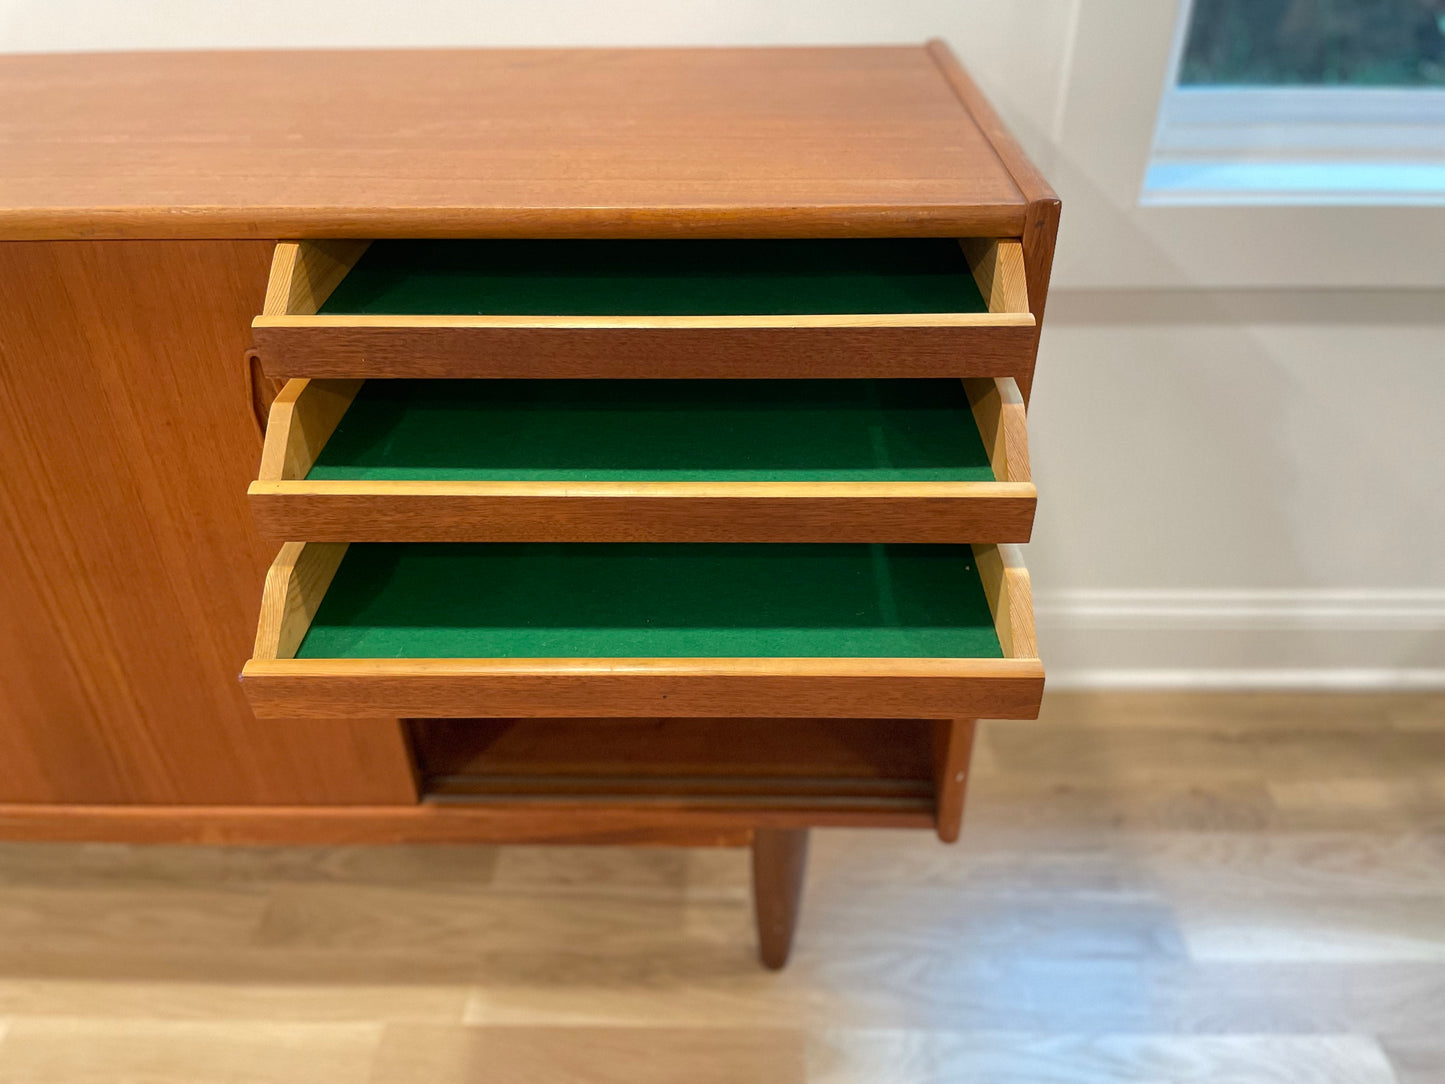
[628,630]
[652,600]
[706,309]
[658,430]
[885,762]
[658,278]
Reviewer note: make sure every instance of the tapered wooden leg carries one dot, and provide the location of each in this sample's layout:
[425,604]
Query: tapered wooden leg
[952,749]
[780,858]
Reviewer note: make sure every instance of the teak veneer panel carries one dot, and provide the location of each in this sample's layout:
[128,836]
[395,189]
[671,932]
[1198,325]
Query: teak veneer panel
[743,142]
[130,566]
[887,688]
[516,348]
[401,511]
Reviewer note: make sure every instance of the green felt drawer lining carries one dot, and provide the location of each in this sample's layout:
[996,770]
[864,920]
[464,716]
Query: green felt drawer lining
[658,430]
[653,600]
[659,278]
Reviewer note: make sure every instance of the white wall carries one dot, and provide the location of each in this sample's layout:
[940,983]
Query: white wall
[1239,486]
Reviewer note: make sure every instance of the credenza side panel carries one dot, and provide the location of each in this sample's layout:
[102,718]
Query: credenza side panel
[130,572]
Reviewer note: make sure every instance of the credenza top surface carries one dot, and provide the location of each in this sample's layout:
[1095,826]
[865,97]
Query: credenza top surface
[500,142]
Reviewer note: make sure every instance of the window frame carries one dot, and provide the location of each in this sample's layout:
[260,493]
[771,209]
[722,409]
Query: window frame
[1293,143]
[1120,62]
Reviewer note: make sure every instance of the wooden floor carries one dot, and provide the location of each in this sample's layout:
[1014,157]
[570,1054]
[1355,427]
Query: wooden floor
[1148,889]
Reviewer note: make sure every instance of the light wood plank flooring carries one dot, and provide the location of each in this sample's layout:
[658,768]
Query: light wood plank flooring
[1149,889]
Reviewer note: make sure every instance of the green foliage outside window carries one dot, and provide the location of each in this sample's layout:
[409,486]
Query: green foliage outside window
[1315,42]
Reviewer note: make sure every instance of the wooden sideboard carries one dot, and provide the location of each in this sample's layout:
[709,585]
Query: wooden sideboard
[141,205]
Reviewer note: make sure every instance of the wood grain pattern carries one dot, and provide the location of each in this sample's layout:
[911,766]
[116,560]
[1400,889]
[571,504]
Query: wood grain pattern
[295,586]
[401,511]
[302,418]
[1100,845]
[497,688]
[287,507]
[1010,598]
[131,599]
[130,568]
[512,351]
[303,274]
[998,267]
[294,341]
[998,408]
[280,685]
[519,143]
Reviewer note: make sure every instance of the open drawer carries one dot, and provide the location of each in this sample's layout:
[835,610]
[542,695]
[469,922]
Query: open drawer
[646,460]
[866,307]
[455,630]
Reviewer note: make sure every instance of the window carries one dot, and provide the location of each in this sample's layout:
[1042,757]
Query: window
[1303,101]
[1373,43]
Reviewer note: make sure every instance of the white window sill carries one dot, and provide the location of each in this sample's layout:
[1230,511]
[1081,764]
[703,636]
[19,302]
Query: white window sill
[1292,182]
[1305,146]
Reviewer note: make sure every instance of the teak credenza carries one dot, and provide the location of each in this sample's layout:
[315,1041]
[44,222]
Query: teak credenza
[643,434]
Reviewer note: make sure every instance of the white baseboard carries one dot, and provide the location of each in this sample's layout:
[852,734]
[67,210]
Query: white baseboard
[1219,679]
[1356,639]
